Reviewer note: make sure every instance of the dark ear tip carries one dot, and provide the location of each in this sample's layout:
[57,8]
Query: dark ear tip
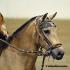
[56,12]
[46,13]
[44,16]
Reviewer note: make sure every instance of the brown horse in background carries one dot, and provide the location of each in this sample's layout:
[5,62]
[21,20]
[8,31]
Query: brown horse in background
[35,33]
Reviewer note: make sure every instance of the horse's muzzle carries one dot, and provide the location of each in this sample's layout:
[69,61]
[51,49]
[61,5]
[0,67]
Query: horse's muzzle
[57,53]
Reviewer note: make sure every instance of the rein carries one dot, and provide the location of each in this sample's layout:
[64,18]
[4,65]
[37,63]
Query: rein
[39,53]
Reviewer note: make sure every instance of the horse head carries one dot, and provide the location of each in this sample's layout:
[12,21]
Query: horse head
[48,36]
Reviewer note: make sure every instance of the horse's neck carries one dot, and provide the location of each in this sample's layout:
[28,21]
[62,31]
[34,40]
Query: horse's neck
[14,60]
[26,39]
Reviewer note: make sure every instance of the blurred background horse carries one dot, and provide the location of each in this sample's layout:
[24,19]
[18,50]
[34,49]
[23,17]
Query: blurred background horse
[38,32]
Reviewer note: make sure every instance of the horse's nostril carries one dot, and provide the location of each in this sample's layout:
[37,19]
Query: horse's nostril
[59,53]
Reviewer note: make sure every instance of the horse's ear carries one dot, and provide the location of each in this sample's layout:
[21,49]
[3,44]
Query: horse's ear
[44,16]
[51,17]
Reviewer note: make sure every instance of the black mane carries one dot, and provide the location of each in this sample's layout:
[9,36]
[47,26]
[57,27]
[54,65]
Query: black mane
[25,25]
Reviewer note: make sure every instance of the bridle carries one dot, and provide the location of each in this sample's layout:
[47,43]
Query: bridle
[39,53]
[46,41]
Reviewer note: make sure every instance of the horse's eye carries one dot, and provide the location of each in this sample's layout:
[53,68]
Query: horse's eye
[47,31]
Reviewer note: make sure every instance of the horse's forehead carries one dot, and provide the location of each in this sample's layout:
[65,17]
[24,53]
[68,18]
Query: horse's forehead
[47,24]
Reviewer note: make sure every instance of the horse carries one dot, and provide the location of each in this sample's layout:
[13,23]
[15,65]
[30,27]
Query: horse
[38,32]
